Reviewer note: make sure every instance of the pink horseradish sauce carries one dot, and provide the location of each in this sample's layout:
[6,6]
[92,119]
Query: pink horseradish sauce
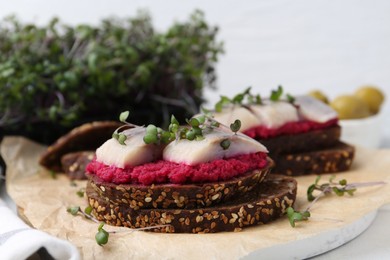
[288,128]
[176,173]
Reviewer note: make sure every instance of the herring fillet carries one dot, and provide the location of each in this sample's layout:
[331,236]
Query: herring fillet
[315,110]
[134,153]
[209,149]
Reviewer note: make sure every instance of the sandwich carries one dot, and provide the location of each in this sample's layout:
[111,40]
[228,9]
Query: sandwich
[301,133]
[200,178]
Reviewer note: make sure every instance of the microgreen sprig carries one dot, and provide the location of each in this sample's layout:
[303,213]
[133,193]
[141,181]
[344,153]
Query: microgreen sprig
[235,127]
[276,94]
[102,235]
[120,136]
[195,128]
[81,192]
[238,99]
[337,187]
[156,135]
[247,98]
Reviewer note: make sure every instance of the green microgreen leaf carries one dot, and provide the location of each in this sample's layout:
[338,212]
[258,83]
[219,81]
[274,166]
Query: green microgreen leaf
[80,193]
[194,122]
[317,179]
[151,129]
[310,190]
[199,138]
[174,120]
[122,138]
[225,144]
[343,182]
[173,128]
[166,137]
[201,119]
[123,116]
[102,235]
[235,127]
[351,192]
[290,98]
[215,124]
[150,138]
[73,210]
[294,216]
[190,135]
[221,103]
[88,210]
[276,94]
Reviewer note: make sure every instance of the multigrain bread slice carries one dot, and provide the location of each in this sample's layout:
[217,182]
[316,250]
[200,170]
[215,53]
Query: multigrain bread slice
[74,164]
[88,136]
[196,195]
[303,142]
[337,158]
[264,203]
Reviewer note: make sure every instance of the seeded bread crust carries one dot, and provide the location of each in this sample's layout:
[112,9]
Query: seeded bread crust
[165,196]
[74,164]
[338,158]
[266,202]
[88,136]
[293,143]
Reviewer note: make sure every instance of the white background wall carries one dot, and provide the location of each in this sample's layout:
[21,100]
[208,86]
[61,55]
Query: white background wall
[302,44]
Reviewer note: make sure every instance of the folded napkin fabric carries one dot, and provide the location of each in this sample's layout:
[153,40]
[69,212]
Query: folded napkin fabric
[19,241]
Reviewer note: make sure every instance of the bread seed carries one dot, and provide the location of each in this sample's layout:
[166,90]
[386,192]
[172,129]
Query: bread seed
[216,196]
[199,219]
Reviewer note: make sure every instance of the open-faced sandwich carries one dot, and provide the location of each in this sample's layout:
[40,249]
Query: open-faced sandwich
[301,133]
[196,179]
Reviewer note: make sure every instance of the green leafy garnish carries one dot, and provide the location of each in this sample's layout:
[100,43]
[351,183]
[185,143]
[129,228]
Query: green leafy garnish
[290,98]
[88,210]
[225,144]
[80,192]
[73,210]
[221,103]
[294,216]
[276,94]
[235,127]
[246,98]
[102,235]
[123,116]
[339,188]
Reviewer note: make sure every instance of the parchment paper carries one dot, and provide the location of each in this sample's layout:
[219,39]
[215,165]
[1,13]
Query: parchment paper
[42,202]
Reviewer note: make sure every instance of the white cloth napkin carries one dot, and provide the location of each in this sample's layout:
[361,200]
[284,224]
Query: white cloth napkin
[19,241]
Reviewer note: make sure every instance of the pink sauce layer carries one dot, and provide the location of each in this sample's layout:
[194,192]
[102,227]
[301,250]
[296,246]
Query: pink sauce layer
[288,128]
[175,173]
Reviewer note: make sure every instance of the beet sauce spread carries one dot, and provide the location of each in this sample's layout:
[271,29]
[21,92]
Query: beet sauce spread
[175,173]
[261,132]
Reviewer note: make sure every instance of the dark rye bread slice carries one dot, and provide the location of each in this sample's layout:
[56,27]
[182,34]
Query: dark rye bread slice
[312,140]
[337,158]
[88,136]
[197,195]
[73,164]
[266,202]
